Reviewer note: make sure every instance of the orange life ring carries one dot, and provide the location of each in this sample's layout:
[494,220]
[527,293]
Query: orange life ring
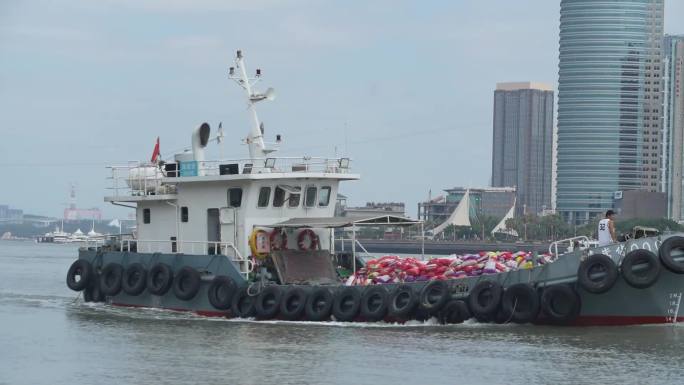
[278,239]
[307,240]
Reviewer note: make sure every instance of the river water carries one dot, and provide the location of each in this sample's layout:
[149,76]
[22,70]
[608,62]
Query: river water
[48,336]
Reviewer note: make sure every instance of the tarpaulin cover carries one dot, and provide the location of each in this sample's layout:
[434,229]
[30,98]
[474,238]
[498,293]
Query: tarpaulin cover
[304,267]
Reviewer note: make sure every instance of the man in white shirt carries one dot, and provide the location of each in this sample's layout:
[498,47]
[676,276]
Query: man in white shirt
[606,229]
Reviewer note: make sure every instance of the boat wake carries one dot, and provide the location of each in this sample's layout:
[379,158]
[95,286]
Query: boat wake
[143,313]
[173,315]
[34,300]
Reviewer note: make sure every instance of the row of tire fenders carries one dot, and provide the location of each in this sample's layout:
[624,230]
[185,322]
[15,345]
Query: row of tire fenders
[487,301]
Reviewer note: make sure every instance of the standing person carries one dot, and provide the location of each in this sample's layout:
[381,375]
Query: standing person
[606,229]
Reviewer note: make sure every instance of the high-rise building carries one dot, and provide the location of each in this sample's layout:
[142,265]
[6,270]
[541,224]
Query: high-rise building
[673,125]
[522,150]
[609,103]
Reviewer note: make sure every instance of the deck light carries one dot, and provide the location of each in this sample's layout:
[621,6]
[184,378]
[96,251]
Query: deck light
[344,162]
[270,162]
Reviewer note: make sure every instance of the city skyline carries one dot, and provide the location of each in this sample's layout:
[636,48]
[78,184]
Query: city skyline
[89,84]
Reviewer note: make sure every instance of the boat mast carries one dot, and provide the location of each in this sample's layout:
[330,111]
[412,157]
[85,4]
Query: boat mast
[255,140]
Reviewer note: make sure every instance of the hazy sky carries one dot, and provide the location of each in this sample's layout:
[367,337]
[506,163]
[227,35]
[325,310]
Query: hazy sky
[403,87]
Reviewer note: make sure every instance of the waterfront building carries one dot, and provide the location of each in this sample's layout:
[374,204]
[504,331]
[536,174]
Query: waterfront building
[72,213]
[673,125]
[609,103]
[487,201]
[522,144]
[376,208]
[8,214]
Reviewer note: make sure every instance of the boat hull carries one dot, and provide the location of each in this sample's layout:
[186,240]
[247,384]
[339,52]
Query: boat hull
[621,305]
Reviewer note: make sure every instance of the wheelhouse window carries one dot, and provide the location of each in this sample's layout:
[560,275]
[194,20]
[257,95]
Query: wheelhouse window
[264,196]
[324,196]
[184,214]
[147,216]
[278,197]
[310,196]
[294,199]
[235,197]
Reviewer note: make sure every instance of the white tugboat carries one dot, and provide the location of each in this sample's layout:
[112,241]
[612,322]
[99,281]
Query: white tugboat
[254,237]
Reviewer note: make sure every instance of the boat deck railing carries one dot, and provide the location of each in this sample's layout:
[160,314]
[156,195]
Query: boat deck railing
[127,243]
[148,179]
[191,247]
[582,240]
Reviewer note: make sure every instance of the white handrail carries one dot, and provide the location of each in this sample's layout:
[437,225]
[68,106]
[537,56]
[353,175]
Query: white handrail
[554,245]
[220,248]
[146,182]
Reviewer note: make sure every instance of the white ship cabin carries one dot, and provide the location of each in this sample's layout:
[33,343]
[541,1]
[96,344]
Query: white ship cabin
[196,206]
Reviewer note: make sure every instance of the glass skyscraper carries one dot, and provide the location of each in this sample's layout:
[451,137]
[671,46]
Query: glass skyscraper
[609,103]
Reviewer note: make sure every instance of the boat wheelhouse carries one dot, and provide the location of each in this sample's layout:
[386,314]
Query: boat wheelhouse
[196,206]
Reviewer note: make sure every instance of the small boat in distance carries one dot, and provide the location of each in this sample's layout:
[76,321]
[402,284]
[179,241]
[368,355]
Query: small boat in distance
[60,236]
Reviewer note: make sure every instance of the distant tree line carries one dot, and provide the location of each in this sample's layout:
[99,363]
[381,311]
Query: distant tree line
[552,227]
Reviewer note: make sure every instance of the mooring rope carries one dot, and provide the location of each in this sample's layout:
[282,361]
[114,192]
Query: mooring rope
[515,304]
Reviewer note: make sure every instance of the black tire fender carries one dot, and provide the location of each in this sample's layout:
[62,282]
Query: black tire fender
[267,302]
[347,303]
[186,283]
[221,291]
[674,263]
[319,304]
[403,301]
[454,312]
[434,296]
[634,272]
[134,279]
[560,304]
[520,302]
[293,303]
[159,279]
[374,303]
[484,299]
[93,293]
[597,274]
[81,269]
[110,279]
[243,305]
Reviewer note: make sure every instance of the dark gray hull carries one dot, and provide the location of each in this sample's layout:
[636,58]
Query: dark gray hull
[621,305]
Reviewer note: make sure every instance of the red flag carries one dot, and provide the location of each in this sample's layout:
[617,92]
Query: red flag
[155,152]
